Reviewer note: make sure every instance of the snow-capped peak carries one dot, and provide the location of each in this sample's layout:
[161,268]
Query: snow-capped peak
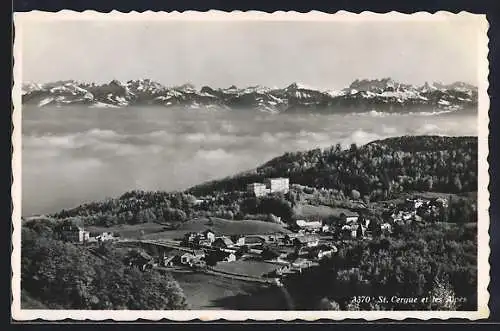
[300,86]
[361,94]
[335,93]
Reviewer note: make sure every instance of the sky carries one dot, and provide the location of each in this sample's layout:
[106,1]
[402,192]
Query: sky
[323,54]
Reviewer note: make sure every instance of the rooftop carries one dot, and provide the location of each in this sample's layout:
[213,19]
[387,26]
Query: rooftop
[349,213]
[225,240]
[306,239]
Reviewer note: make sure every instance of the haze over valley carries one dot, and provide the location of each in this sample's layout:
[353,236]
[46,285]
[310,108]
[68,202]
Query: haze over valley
[73,154]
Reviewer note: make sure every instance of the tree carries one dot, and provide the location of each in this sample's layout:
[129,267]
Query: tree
[249,205]
[269,253]
[63,275]
[338,149]
[442,296]
[326,304]
[276,206]
[355,195]
[174,215]
[359,231]
[146,216]
[374,227]
[429,184]
[457,183]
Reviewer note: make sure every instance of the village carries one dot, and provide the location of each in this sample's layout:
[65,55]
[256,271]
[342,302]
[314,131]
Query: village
[262,257]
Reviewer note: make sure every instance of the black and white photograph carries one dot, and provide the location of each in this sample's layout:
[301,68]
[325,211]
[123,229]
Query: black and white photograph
[250,165]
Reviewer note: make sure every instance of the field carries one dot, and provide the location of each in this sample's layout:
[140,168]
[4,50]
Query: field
[308,211]
[210,292]
[129,231]
[219,226]
[249,268]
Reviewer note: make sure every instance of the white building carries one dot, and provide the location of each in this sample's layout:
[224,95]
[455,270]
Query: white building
[278,185]
[105,236]
[209,235]
[349,217]
[74,233]
[311,225]
[386,227]
[257,189]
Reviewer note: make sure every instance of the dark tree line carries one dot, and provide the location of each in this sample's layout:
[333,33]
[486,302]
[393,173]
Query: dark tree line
[63,275]
[135,207]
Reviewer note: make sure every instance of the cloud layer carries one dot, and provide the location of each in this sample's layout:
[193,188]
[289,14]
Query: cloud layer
[75,155]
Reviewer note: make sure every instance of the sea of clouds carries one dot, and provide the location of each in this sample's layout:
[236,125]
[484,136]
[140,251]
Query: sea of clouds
[73,155]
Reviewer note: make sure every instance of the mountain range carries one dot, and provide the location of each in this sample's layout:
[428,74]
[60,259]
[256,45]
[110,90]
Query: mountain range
[361,96]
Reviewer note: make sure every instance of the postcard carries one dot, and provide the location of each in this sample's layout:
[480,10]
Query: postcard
[250,166]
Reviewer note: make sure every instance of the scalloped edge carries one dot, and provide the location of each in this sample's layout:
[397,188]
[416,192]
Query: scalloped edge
[229,315]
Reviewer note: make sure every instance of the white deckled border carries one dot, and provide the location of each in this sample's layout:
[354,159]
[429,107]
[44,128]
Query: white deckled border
[187,315]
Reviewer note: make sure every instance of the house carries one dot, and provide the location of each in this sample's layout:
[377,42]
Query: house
[257,189]
[189,239]
[186,258]
[142,261]
[190,258]
[255,251]
[289,237]
[408,216]
[198,264]
[324,251]
[105,236]
[442,202]
[223,243]
[309,225]
[170,261]
[317,252]
[309,241]
[250,241]
[203,242]
[274,238]
[231,257]
[300,264]
[403,216]
[283,269]
[349,217]
[271,185]
[209,235]
[303,251]
[73,233]
[220,256]
[278,185]
[386,227]
[350,231]
[321,254]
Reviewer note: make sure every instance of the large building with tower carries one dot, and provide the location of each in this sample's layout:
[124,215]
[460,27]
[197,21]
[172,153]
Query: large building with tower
[271,185]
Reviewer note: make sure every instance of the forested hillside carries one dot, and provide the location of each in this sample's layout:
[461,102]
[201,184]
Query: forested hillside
[435,260]
[377,170]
